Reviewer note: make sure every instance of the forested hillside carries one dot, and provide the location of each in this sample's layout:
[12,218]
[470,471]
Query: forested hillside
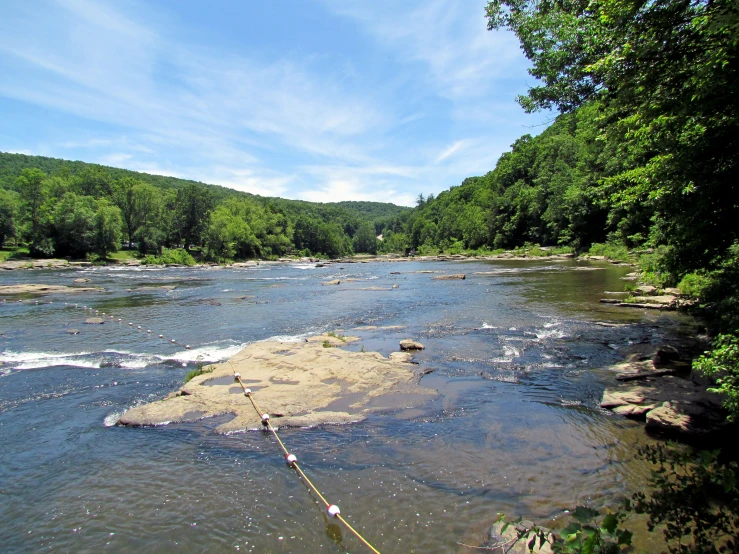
[60,207]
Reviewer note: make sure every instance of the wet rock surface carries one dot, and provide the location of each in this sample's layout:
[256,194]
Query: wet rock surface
[44,289]
[449,277]
[654,386]
[300,384]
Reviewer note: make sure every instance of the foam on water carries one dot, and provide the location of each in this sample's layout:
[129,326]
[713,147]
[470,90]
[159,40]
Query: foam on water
[36,360]
[208,353]
[290,338]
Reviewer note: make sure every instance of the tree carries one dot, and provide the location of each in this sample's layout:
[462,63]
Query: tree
[8,215]
[124,197]
[151,217]
[365,239]
[30,184]
[93,180]
[192,205]
[107,228]
[666,75]
[228,235]
[72,225]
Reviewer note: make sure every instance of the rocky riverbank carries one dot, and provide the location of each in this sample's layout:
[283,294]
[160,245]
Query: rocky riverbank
[655,383]
[32,263]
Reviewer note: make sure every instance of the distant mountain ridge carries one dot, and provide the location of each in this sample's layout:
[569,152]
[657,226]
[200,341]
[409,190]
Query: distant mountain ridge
[12,164]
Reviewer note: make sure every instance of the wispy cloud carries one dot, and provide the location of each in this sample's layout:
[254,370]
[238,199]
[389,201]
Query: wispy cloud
[299,122]
[448,36]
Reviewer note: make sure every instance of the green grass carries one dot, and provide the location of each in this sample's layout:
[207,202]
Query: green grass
[327,344]
[201,370]
[342,338]
[9,253]
[123,255]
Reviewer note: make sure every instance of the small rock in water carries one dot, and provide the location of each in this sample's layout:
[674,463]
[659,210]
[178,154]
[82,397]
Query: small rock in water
[73,331]
[410,345]
[334,282]
[82,280]
[94,321]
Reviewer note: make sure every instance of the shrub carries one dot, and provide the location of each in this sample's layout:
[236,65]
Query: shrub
[612,251]
[178,257]
[723,361]
[693,285]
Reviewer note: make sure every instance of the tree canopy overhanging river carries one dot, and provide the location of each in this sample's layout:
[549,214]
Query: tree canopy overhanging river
[516,428]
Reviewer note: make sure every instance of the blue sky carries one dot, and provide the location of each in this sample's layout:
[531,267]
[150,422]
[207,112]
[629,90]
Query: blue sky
[321,100]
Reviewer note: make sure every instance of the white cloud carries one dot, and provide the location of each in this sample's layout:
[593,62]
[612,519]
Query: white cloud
[295,124]
[449,151]
[448,36]
[369,183]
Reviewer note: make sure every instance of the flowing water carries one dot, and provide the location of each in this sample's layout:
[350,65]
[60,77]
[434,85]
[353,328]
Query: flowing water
[516,428]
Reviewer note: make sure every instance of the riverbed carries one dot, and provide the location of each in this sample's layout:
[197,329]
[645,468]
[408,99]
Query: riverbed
[514,350]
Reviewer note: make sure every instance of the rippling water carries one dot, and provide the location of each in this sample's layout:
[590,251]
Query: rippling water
[516,428]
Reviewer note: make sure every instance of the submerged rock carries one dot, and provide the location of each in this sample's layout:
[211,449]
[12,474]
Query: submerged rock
[449,277]
[334,282]
[306,384]
[94,321]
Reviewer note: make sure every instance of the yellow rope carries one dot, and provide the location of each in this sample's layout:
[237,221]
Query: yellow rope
[250,396]
[261,414]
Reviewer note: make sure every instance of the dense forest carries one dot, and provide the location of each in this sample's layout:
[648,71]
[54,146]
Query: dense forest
[61,208]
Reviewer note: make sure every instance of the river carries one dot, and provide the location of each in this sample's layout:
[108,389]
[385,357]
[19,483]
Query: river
[515,354]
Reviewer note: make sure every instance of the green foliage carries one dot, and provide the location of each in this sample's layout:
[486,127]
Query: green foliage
[200,370]
[693,285]
[722,362]
[327,344]
[365,240]
[9,206]
[169,257]
[616,252]
[665,75]
[589,532]
[158,211]
[342,338]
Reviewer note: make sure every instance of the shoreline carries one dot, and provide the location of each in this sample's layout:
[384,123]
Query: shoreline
[63,263]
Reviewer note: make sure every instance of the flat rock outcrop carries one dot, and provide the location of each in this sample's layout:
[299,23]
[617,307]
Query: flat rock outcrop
[298,384]
[45,289]
[651,389]
[34,264]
